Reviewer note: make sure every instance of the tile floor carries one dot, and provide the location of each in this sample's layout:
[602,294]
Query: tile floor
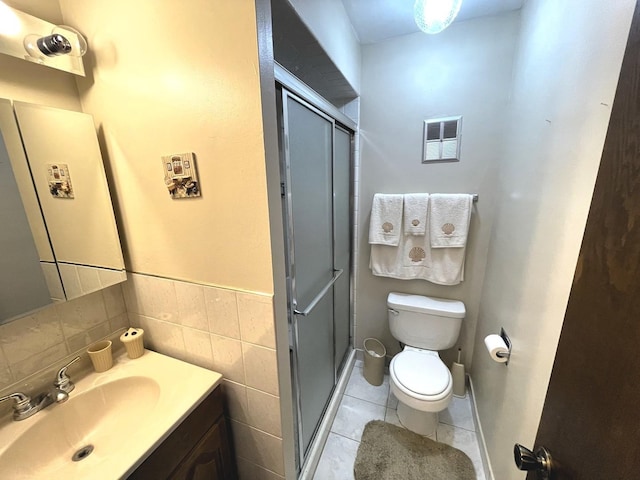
[363,402]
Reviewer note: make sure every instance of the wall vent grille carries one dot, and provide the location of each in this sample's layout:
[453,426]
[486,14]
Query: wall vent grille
[442,138]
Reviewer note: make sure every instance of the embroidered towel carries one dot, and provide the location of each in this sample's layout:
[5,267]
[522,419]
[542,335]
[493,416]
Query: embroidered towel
[414,259]
[386,219]
[449,216]
[416,207]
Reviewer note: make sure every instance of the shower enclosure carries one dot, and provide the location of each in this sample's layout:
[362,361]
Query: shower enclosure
[315,151]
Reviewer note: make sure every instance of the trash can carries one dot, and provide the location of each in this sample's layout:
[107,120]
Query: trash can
[374,354]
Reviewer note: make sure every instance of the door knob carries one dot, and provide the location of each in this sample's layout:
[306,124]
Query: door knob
[539,461]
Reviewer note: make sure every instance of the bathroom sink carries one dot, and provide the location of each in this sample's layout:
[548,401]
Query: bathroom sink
[111,422]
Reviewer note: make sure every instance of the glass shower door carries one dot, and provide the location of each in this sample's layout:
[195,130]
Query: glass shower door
[309,210]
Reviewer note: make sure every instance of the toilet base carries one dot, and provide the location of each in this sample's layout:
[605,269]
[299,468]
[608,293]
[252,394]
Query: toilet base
[422,423]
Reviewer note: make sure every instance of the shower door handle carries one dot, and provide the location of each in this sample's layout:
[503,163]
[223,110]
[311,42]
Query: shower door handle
[317,298]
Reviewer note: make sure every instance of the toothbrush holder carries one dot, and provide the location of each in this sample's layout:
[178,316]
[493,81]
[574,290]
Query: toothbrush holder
[133,342]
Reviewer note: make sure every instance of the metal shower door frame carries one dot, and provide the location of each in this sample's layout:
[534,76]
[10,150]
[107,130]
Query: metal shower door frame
[287,84]
[291,269]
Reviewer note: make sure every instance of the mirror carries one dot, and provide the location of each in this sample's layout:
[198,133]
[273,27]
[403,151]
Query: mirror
[54,183]
[22,284]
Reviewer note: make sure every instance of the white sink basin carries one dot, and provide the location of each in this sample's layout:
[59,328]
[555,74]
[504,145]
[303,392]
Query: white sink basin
[123,413]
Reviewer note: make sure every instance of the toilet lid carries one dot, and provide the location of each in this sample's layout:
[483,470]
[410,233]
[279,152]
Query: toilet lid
[421,373]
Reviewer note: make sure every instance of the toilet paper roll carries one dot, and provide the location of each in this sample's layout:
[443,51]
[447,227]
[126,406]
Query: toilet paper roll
[495,344]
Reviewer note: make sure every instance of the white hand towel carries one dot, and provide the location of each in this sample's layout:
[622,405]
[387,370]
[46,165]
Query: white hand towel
[386,219]
[416,208]
[449,217]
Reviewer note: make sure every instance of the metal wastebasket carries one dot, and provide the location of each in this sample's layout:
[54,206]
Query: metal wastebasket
[374,355]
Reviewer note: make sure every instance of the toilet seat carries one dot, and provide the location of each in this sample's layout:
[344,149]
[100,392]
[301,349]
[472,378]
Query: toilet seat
[420,379]
[421,373]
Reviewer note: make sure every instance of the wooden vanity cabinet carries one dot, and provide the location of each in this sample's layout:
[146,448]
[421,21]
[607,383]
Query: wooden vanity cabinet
[198,449]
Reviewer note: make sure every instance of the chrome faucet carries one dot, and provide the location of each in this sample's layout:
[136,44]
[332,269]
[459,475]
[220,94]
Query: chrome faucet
[25,407]
[63,382]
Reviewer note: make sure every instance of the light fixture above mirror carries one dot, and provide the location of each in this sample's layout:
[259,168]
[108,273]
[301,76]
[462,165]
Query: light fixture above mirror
[30,38]
[433,16]
[63,40]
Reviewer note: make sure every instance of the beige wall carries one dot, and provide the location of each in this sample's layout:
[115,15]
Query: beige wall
[568,61]
[465,71]
[167,78]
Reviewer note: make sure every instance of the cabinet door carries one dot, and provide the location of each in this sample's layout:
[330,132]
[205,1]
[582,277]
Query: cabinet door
[210,459]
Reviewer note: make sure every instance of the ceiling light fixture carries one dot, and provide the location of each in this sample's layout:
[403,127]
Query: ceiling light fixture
[433,16]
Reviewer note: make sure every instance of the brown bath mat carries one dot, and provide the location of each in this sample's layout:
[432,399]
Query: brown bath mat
[389,452]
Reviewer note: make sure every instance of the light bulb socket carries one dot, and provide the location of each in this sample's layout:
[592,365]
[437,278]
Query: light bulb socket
[53,45]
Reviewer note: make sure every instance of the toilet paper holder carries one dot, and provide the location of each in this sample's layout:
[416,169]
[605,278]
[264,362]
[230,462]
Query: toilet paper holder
[507,340]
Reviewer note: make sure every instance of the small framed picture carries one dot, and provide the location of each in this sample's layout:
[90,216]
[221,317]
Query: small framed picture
[59,180]
[180,175]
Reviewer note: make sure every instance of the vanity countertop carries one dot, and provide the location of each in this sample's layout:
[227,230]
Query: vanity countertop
[124,413]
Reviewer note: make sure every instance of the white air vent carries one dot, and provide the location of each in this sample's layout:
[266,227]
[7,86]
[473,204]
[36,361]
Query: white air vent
[442,137]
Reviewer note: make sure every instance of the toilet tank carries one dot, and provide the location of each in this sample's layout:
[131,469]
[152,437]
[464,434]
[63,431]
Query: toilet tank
[425,322]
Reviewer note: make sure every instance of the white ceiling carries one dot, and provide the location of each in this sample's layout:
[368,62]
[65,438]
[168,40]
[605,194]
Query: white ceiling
[377,20]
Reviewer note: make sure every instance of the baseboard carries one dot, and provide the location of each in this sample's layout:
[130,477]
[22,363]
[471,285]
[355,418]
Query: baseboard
[317,446]
[486,462]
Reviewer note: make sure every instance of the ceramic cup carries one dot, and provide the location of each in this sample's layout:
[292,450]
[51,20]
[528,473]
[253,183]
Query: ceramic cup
[100,354]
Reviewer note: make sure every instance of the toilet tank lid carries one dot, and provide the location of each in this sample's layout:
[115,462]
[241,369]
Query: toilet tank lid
[422,304]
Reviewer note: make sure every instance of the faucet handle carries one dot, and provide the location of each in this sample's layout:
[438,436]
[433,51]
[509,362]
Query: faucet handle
[63,382]
[22,402]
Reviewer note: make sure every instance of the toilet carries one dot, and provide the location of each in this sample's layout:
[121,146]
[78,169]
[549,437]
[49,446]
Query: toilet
[420,380]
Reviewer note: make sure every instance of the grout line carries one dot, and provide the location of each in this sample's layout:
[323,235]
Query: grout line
[343,436]
[253,427]
[368,401]
[252,462]
[457,426]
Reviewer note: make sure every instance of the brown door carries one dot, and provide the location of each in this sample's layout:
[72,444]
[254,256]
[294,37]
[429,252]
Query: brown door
[591,417]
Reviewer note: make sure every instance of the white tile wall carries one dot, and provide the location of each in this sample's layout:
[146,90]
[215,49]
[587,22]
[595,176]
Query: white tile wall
[355,106]
[227,331]
[248,470]
[258,447]
[52,278]
[224,330]
[81,280]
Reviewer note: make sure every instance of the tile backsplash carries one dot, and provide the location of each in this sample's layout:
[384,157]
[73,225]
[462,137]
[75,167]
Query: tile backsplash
[231,332]
[37,341]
